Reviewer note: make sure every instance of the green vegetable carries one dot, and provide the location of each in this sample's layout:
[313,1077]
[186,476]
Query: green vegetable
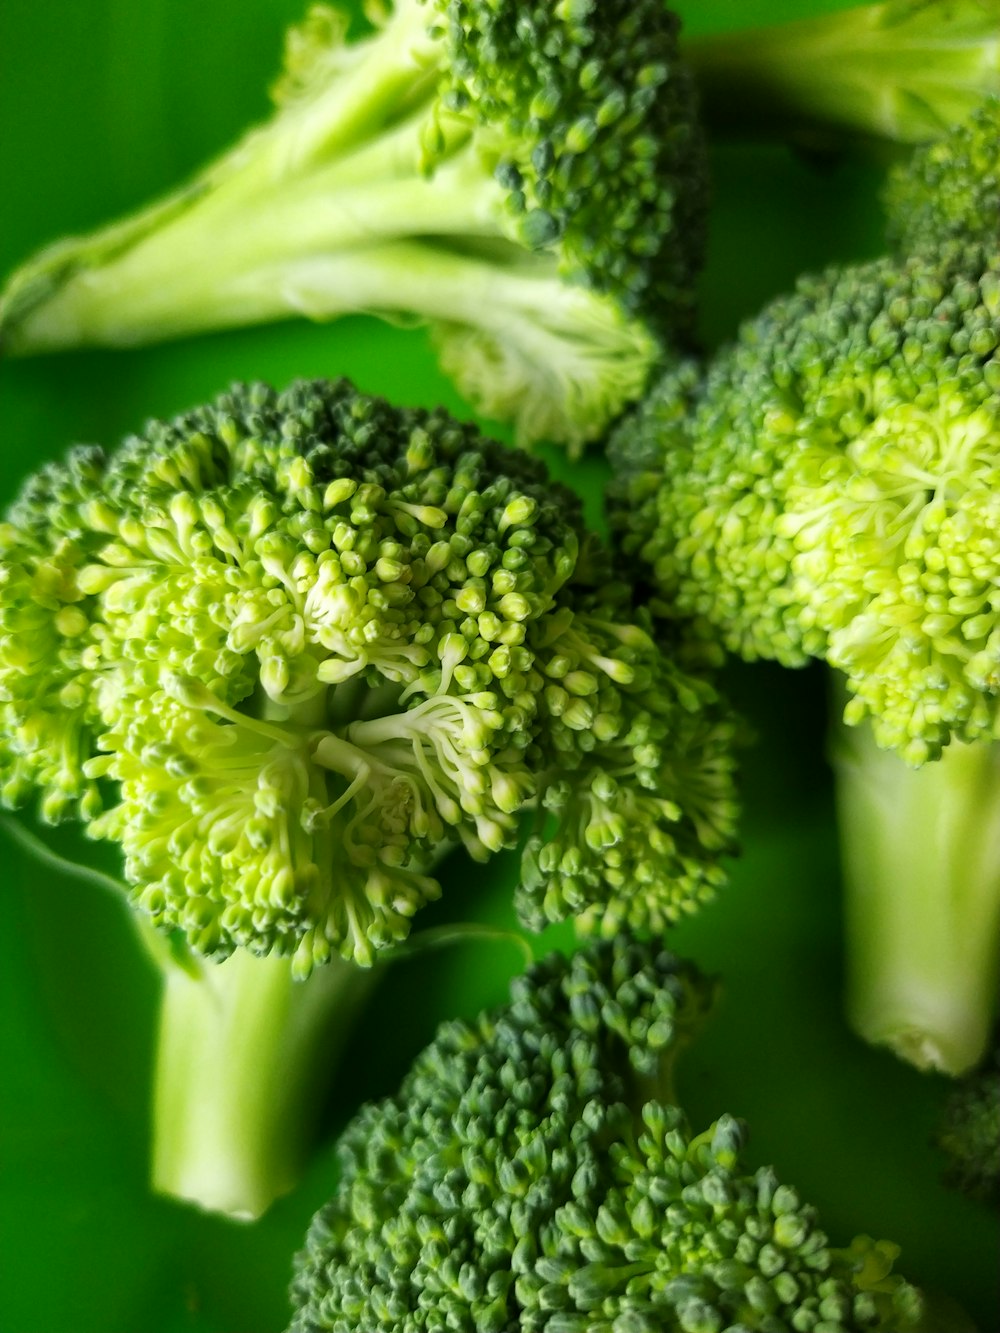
[530,179]
[902,71]
[949,189]
[285,651]
[969,1132]
[535,1173]
[828,489]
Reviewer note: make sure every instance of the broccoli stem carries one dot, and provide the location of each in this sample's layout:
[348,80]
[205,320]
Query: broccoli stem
[222,264]
[339,165]
[244,1049]
[921,853]
[903,71]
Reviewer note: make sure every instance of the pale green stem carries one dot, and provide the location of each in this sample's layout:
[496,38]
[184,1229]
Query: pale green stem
[369,111]
[521,304]
[900,71]
[921,864]
[244,1053]
[221,265]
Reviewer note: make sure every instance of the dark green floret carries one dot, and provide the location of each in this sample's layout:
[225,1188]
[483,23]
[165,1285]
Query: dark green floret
[286,650]
[535,1175]
[968,1133]
[529,179]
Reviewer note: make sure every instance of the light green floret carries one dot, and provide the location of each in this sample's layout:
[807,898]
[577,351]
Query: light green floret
[528,179]
[534,1174]
[288,650]
[311,639]
[950,189]
[834,491]
[640,784]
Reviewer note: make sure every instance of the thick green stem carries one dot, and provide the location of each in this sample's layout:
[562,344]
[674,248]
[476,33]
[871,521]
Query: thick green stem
[219,264]
[921,855]
[244,1052]
[277,192]
[902,71]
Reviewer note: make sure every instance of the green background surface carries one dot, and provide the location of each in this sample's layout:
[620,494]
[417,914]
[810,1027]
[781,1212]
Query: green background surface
[102,104]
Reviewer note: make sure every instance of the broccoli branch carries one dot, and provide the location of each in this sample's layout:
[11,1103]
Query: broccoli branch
[901,71]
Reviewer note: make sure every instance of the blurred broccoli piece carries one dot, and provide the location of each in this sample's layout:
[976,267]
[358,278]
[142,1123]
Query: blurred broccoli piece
[969,1131]
[898,72]
[950,188]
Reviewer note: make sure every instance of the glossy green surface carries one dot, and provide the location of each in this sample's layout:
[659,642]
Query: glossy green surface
[103,103]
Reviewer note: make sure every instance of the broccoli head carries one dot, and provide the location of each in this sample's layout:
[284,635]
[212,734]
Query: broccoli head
[829,490]
[529,179]
[535,1173]
[287,649]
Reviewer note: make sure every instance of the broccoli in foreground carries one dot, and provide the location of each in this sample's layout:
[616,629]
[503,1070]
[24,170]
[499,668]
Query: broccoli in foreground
[535,1175]
[285,651]
[829,489]
[969,1132]
[902,71]
[528,178]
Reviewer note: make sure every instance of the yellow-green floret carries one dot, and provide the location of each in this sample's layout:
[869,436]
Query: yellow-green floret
[528,179]
[534,1175]
[286,648]
[831,489]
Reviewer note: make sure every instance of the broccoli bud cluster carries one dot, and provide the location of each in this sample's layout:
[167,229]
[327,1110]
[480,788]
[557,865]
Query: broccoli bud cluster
[589,112]
[830,490]
[533,1174]
[311,639]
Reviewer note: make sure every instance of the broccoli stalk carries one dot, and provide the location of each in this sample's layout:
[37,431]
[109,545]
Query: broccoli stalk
[901,71]
[526,179]
[286,650]
[244,1052]
[921,854]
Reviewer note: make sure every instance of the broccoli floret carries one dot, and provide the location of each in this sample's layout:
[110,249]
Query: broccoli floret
[285,650]
[902,71]
[950,189]
[535,1174]
[528,178]
[969,1132]
[828,489]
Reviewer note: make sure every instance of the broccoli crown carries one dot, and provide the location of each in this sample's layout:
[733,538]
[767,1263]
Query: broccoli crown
[969,1132]
[590,116]
[830,489]
[305,641]
[528,1177]
[950,188]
